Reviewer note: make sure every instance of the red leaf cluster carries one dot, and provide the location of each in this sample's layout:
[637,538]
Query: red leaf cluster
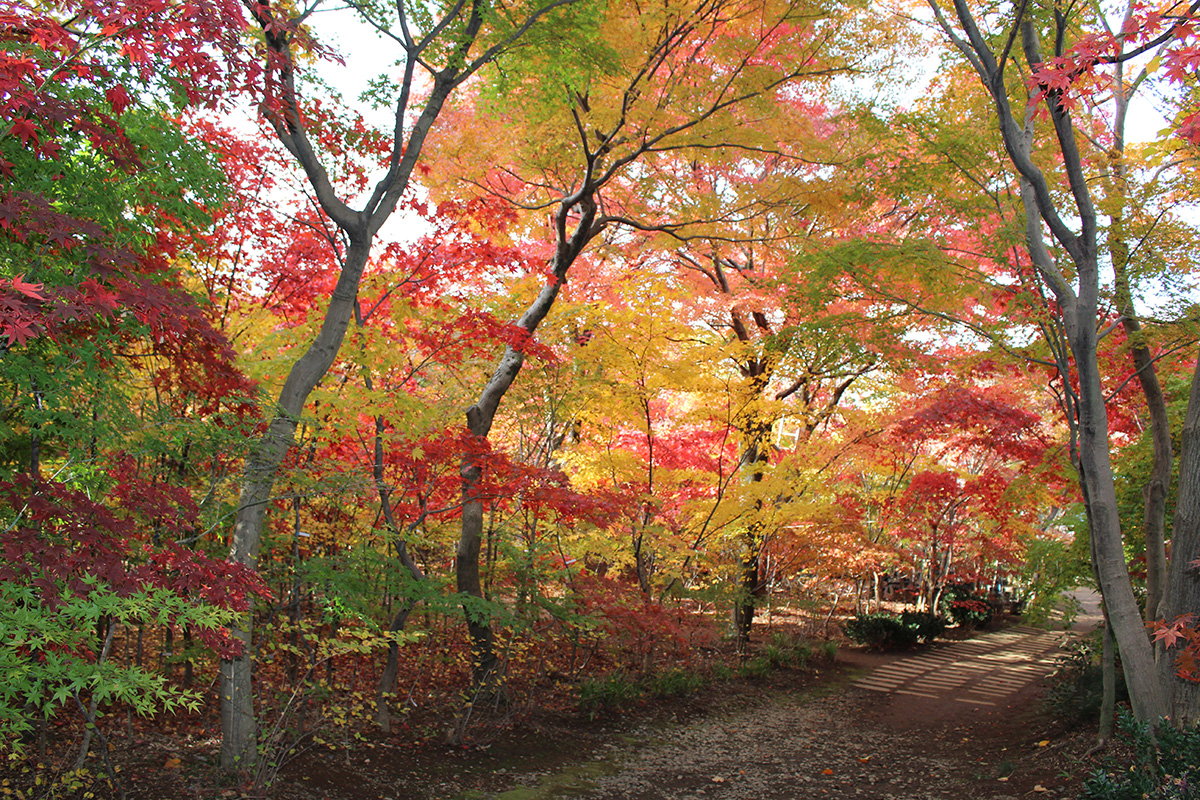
[63,541]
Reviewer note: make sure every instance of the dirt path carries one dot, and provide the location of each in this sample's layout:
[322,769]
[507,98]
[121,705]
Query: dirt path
[955,721]
[959,720]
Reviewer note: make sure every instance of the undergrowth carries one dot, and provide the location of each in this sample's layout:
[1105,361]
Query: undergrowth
[619,688]
[1165,766]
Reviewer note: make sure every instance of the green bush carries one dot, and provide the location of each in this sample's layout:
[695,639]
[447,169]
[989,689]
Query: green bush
[1165,766]
[676,683]
[928,625]
[1076,687]
[758,667]
[786,650]
[881,631]
[597,695]
[720,672]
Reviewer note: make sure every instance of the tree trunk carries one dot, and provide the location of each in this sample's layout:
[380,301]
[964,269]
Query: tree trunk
[1137,656]
[1182,595]
[1154,493]
[238,725]
[482,414]
[1108,673]
[750,586]
[391,670]
[1079,318]
[467,575]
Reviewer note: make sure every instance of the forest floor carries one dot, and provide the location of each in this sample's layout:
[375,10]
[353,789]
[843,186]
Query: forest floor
[956,720]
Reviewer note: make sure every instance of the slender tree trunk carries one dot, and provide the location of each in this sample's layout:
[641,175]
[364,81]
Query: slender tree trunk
[391,669]
[467,575]
[1077,296]
[1154,493]
[387,680]
[90,712]
[1108,673]
[1137,656]
[482,414]
[238,726]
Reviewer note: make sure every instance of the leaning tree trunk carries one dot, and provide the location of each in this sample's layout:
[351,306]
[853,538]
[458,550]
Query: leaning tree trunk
[238,726]
[482,414]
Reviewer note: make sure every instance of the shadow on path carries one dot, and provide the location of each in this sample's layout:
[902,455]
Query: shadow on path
[983,671]
[957,720]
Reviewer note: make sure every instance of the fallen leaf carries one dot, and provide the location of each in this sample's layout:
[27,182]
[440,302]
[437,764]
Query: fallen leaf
[718,779]
[864,759]
[1040,788]
[1043,743]
[827,771]
[1003,778]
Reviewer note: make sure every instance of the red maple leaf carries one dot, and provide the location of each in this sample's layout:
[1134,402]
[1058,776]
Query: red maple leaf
[18,331]
[28,289]
[25,130]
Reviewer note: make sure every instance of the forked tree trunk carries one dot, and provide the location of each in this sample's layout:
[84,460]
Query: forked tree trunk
[482,414]
[1077,296]
[358,227]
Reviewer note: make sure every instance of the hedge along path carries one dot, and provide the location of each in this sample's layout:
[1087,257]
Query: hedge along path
[983,671]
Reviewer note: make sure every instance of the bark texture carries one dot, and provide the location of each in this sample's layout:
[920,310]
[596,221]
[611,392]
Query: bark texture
[482,414]
[1182,594]
[359,227]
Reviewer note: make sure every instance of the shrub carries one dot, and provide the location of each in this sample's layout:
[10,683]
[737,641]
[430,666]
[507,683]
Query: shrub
[881,631]
[758,667]
[928,625]
[970,612]
[720,672]
[597,695]
[676,682]
[785,650]
[1077,683]
[1165,766]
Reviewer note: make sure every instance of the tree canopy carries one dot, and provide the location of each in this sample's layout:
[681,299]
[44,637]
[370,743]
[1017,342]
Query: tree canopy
[588,333]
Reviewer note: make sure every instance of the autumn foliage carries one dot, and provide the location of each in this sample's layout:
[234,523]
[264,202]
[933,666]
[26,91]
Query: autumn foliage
[582,363]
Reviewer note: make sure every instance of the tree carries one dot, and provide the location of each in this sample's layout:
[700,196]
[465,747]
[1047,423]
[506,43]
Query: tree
[676,81]
[1072,275]
[109,358]
[446,46]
